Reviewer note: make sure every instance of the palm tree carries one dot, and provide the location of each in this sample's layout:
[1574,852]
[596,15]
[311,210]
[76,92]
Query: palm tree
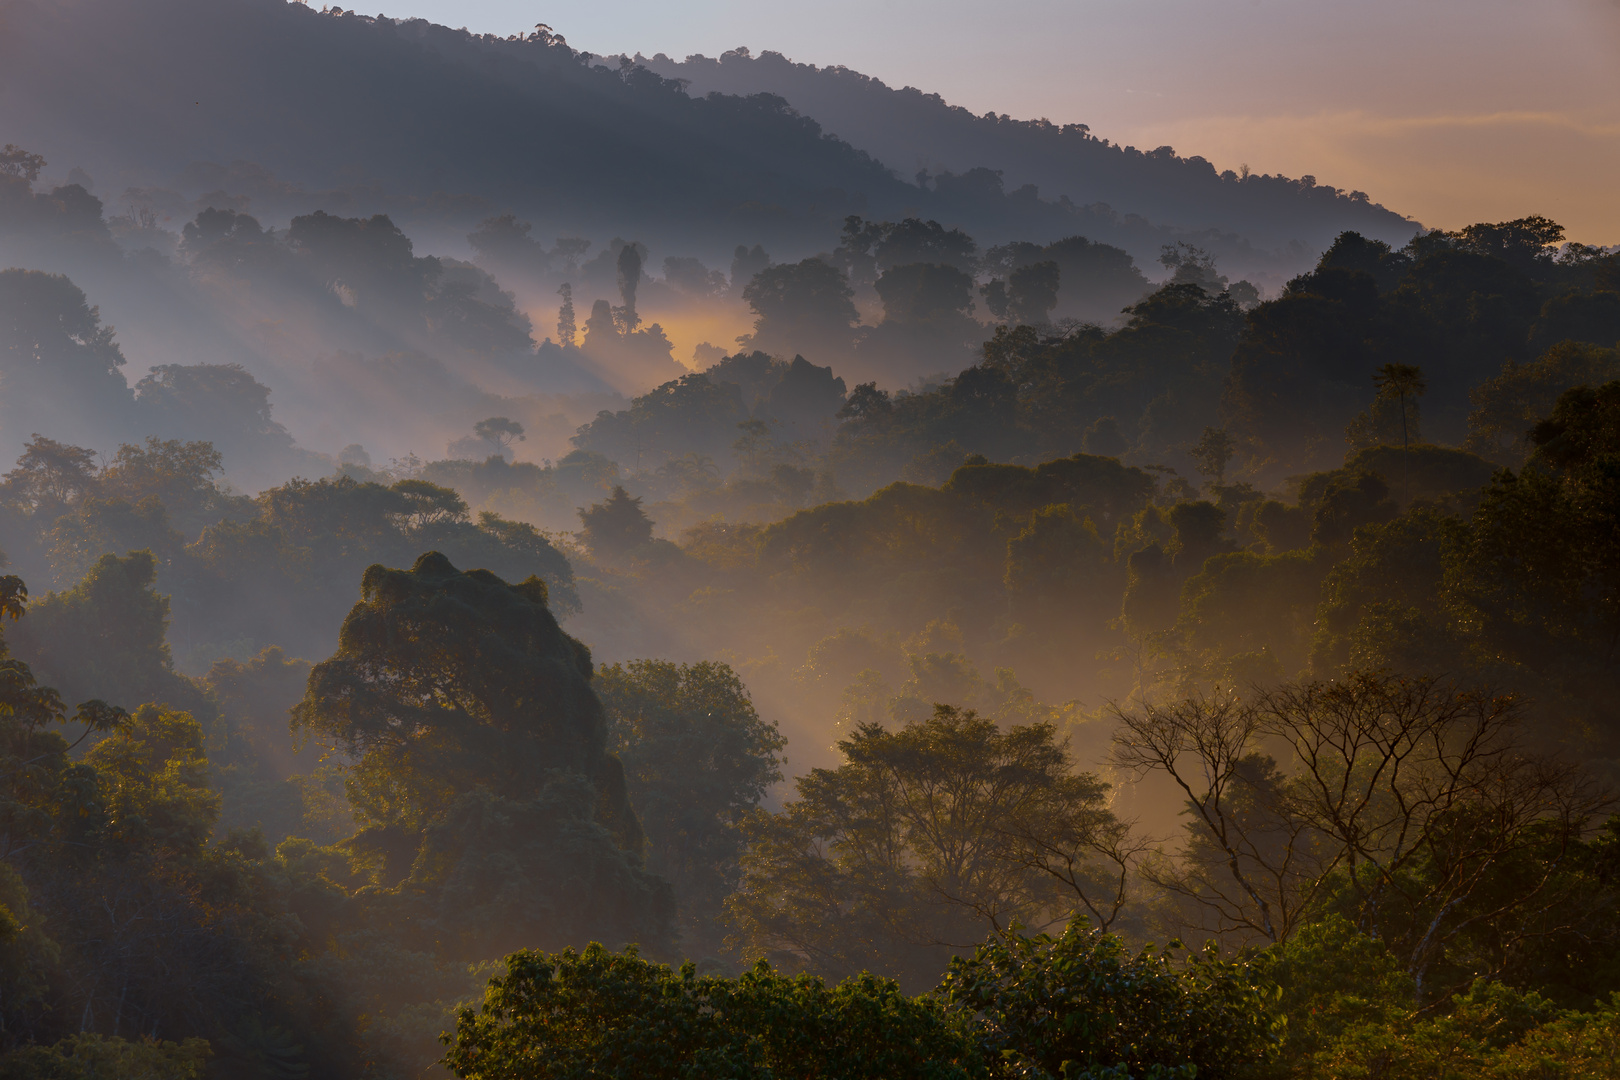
[1399,380]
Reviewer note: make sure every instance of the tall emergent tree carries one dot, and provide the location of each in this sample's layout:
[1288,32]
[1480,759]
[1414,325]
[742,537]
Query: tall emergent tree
[566,328]
[1401,381]
[481,779]
[446,681]
[616,525]
[499,432]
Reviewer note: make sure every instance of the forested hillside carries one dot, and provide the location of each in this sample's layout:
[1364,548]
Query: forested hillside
[911,129]
[929,651]
[436,125]
[441,128]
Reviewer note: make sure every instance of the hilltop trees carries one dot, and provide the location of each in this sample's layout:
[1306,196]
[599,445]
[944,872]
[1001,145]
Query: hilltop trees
[1096,281]
[474,786]
[107,637]
[924,292]
[498,433]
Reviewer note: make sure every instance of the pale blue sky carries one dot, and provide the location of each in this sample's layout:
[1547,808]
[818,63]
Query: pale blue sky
[1452,110]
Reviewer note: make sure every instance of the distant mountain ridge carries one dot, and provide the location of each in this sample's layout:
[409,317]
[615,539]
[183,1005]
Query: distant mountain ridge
[275,108]
[910,129]
[410,117]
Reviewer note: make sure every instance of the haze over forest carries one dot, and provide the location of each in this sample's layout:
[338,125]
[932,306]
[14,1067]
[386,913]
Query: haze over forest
[465,499]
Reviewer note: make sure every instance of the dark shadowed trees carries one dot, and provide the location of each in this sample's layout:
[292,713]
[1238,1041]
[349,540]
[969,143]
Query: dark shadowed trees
[697,759]
[479,745]
[801,306]
[617,525]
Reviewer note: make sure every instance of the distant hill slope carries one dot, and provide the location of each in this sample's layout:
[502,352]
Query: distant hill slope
[297,108]
[405,113]
[273,107]
[909,129]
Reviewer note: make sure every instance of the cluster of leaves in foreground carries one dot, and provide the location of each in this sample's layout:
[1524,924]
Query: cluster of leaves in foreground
[1330,1003]
[1080,1005]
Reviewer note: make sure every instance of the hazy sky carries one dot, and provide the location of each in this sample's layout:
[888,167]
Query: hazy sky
[1449,110]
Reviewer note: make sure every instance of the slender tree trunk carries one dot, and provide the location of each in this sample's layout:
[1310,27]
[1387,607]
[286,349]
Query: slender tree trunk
[1406,456]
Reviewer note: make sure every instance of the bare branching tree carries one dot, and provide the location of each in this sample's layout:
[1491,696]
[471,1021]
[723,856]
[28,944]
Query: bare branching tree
[1422,792]
[1401,801]
[1249,870]
[1078,845]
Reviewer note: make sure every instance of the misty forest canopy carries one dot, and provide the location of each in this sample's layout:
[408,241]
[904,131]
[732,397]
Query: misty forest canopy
[1362,632]
[570,574]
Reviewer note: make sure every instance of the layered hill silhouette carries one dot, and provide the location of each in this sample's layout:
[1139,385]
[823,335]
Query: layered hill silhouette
[911,128]
[295,109]
[276,108]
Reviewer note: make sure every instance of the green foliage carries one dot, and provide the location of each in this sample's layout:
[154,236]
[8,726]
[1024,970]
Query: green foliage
[256,697]
[444,681]
[500,807]
[1092,485]
[287,573]
[1213,451]
[1427,813]
[1491,1031]
[154,782]
[924,292]
[1032,293]
[59,361]
[499,431]
[1336,982]
[1424,472]
[926,837]
[1261,605]
[697,759]
[694,414]
[98,1057]
[1347,502]
[50,476]
[493,874]
[1085,1005]
[490,807]
[1034,396]
[101,526]
[1393,570]
[252,756]
[1583,429]
[178,474]
[565,1015]
[1057,564]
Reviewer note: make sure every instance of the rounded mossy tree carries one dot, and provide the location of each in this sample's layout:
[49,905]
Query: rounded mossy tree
[452,689]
